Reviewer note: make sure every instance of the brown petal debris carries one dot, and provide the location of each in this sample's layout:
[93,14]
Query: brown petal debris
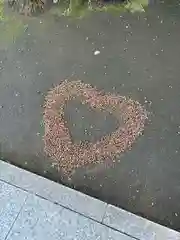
[58,143]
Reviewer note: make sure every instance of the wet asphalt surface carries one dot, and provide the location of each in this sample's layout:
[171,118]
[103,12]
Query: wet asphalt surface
[139,58]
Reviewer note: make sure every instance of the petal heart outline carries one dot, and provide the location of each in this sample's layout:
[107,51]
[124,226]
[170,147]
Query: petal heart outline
[58,144]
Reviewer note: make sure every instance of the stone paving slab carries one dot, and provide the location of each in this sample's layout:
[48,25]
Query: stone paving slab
[65,212]
[136,226]
[41,219]
[11,201]
[67,197]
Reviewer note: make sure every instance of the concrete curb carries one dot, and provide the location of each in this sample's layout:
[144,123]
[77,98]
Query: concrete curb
[111,216]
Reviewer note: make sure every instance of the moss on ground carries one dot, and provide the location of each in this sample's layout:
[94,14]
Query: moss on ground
[1,10]
[79,8]
[10,29]
[10,26]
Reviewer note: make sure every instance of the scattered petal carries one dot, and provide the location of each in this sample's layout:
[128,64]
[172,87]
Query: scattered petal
[97,52]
